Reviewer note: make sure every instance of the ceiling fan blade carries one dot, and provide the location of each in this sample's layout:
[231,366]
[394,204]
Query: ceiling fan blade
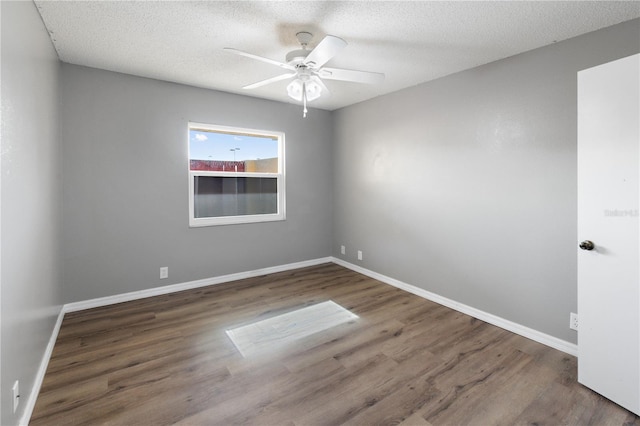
[269,81]
[260,58]
[325,50]
[351,75]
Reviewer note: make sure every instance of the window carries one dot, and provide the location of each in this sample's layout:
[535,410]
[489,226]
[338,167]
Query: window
[235,175]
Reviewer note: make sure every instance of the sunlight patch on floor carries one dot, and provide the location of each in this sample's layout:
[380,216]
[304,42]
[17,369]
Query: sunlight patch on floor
[287,328]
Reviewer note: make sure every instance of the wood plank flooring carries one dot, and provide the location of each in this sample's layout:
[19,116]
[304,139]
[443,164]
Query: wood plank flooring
[405,360]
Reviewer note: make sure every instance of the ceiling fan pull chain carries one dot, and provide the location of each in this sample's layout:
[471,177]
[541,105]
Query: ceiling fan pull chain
[304,99]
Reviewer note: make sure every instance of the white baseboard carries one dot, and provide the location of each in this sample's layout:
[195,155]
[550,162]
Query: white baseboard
[44,363]
[157,291]
[529,333]
[134,295]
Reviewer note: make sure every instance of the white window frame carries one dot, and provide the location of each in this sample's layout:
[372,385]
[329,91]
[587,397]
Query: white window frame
[230,220]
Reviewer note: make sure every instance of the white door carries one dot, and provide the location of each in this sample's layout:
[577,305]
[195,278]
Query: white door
[608,202]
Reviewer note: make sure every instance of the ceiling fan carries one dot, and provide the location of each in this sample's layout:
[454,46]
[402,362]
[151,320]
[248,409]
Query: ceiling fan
[306,68]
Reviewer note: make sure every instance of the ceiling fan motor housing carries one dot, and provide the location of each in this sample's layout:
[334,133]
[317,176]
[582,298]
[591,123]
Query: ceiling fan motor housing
[297,56]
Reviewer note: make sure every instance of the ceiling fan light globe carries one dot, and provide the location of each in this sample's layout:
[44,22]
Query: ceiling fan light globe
[314,90]
[294,89]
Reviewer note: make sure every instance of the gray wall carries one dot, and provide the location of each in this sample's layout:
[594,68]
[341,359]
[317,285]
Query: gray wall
[30,199]
[125,185]
[466,186]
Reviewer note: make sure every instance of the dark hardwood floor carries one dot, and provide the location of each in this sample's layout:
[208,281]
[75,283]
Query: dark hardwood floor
[405,360]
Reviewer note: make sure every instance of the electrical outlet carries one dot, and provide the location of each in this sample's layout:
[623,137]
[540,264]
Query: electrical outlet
[15,390]
[359,254]
[164,272]
[343,250]
[573,321]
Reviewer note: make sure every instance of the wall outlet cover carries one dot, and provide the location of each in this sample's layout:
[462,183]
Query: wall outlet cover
[573,321]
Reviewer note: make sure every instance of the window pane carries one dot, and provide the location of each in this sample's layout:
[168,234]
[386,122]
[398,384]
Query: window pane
[216,196]
[232,152]
[237,175]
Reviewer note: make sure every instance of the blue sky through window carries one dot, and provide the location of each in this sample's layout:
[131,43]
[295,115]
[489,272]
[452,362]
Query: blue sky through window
[204,145]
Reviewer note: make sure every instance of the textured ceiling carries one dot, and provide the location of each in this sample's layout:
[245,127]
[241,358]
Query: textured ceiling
[410,42]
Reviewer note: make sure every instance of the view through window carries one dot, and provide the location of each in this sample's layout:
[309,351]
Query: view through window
[235,175]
